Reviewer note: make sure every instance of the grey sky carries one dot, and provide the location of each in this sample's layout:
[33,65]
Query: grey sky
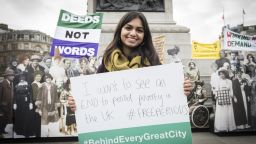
[203,17]
[37,14]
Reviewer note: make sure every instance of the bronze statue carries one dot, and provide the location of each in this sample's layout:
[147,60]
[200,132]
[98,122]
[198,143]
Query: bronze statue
[130,5]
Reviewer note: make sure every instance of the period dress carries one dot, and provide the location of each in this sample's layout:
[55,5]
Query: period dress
[23,100]
[193,74]
[240,104]
[67,113]
[198,97]
[6,104]
[253,103]
[37,118]
[47,105]
[224,115]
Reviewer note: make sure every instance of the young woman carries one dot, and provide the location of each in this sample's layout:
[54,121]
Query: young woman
[36,85]
[193,72]
[24,62]
[224,115]
[67,115]
[131,47]
[197,96]
[47,106]
[250,59]
[22,105]
[91,68]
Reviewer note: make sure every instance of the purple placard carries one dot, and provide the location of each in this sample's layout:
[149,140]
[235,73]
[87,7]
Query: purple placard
[74,49]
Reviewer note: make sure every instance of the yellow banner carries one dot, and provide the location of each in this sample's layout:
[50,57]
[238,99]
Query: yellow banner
[205,51]
[159,42]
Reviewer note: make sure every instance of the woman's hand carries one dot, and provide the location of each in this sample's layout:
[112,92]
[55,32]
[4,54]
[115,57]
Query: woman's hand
[187,86]
[71,103]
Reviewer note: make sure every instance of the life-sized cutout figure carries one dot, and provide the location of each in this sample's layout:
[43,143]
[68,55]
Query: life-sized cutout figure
[69,69]
[36,85]
[197,96]
[6,96]
[83,66]
[193,73]
[174,58]
[68,119]
[47,106]
[24,62]
[91,69]
[223,58]
[22,105]
[34,66]
[46,63]
[224,115]
[131,47]
[57,71]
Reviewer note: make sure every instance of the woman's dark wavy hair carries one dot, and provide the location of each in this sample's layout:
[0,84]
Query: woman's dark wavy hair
[225,72]
[145,49]
[253,59]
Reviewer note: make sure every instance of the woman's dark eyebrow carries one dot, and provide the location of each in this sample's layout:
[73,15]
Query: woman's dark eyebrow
[132,26]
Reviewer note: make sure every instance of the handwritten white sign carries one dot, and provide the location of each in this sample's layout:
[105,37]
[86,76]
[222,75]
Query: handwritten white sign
[139,105]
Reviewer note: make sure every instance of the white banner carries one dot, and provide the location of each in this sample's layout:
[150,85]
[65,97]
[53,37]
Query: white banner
[236,41]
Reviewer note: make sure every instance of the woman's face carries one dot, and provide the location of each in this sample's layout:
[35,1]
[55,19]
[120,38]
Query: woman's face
[239,74]
[48,63]
[250,58]
[132,33]
[48,80]
[35,63]
[192,65]
[14,63]
[222,54]
[199,87]
[226,65]
[83,62]
[26,61]
[38,78]
[92,60]
[222,76]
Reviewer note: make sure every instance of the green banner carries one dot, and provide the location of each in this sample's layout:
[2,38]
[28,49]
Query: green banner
[176,133]
[89,21]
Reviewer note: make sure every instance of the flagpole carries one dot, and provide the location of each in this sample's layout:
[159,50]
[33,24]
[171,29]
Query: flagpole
[243,13]
[86,7]
[224,17]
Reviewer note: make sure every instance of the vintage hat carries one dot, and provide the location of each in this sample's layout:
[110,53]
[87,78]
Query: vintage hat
[223,71]
[35,57]
[190,62]
[46,58]
[37,72]
[173,51]
[199,82]
[9,72]
[47,75]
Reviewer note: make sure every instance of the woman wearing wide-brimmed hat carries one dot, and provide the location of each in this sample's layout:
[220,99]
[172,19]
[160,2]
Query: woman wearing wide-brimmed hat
[47,106]
[6,96]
